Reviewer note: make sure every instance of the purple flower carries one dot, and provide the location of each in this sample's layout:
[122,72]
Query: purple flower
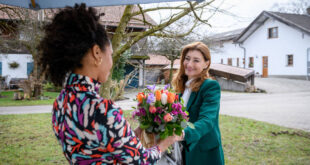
[174,112]
[184,115]
[166,86]
[157,119]
[135,113]
[150,98]
[159,110]
[152,88]
[177,106]
[142,112]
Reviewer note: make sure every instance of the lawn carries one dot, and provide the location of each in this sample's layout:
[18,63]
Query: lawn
[29,139]
[7,100]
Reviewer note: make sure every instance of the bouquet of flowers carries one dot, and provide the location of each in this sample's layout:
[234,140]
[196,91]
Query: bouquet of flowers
[160,114]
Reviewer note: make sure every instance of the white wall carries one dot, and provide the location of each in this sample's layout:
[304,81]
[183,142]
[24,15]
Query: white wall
[228,50]
[21,59]
[289,41]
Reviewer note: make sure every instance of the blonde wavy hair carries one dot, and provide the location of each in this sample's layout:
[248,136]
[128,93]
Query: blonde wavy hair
[180,79]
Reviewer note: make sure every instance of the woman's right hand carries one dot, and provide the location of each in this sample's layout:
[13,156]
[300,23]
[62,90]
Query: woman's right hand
[164,144]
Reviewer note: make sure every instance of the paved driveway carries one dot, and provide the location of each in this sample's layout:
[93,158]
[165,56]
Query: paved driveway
[287,103]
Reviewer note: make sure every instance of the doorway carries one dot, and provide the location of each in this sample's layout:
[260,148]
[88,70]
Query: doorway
[265,66]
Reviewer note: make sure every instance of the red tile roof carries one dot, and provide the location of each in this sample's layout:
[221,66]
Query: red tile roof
[112,16]
[159,60]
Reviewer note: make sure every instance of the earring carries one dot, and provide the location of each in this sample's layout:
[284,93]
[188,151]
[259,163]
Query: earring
[100,61]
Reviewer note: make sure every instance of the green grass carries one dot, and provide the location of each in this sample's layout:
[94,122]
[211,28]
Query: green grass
[7,100]
[29,139]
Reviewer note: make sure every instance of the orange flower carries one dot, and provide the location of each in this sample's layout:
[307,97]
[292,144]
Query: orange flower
[171,97]
[140,97]
[168,117]
[158,95]
[152,109]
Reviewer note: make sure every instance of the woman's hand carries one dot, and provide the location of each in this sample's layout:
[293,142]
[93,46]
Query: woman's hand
[164,144]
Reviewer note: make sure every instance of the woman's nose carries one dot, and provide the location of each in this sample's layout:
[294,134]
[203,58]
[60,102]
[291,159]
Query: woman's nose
[189,63]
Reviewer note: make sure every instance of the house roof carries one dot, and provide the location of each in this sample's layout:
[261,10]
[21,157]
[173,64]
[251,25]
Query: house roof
[159,60]
[298,21]
[226,36]
[112,15]
[226,71]
[231,72]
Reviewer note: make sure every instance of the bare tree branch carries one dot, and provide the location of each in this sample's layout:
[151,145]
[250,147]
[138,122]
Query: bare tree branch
[196,16]
[141,10]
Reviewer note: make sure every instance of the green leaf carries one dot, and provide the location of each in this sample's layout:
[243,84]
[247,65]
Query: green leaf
[157,104]
[170,132]
[150,129]
[169,107]
[178,131]
[191,125]
[175,118]
[183,124]
[162,127]
[145,125]
[164,134]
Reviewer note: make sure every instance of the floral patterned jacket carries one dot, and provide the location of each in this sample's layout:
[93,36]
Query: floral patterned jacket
[92,130]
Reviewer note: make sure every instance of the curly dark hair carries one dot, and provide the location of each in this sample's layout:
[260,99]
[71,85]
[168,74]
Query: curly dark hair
[72,32]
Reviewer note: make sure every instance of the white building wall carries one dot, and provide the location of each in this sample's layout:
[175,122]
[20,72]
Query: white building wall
[21,59]
[228,50]
[289,41]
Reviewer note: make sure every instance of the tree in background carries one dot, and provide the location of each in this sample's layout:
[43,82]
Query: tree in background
[296,7]
[171,49]
[123,40]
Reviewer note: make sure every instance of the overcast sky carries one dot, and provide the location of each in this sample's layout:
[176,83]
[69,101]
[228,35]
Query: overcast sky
[247,10]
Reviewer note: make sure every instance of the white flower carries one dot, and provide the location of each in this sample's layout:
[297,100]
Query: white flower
[164,98]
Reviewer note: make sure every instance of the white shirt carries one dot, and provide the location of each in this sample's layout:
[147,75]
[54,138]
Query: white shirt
[187,92]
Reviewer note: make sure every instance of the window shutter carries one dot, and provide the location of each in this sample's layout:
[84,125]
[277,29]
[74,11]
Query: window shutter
[29,67]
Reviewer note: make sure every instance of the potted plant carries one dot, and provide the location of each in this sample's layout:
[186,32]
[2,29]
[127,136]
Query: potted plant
[14,65]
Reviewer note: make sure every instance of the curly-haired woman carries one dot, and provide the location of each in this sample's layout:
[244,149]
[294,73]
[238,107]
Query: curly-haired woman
[90,129]
[201,97]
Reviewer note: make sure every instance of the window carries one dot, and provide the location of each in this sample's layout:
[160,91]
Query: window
[237,62]
[229,61]
[273,32]
[290,60]
[222,61]
[251,62]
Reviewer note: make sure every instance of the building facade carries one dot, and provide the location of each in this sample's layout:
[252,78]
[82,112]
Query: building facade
[274,44]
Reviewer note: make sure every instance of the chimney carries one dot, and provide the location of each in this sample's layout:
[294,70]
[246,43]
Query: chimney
[308,10]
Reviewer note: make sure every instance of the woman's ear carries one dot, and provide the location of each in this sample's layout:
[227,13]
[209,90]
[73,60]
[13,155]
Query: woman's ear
[96,51]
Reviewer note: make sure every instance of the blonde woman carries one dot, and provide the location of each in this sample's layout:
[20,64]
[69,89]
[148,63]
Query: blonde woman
[201,97]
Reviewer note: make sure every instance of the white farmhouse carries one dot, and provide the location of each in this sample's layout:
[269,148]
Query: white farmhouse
[274,44]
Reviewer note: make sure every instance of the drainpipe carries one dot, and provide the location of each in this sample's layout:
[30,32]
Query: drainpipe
[308,63]
[244,54]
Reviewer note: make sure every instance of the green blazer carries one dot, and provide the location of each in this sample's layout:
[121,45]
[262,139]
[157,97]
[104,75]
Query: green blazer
[203,144]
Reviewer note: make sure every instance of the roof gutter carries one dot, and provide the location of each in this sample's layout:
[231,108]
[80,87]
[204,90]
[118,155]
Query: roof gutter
[244,54]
